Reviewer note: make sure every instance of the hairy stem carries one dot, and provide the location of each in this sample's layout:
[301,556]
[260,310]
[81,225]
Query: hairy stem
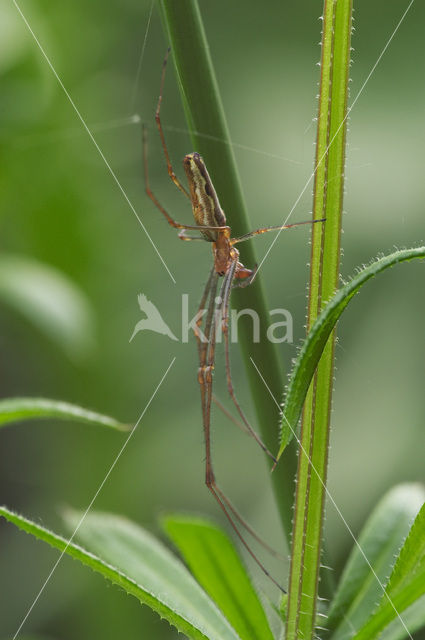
[328,196]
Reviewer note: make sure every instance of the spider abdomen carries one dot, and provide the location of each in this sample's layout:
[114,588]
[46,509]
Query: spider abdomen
[205,204]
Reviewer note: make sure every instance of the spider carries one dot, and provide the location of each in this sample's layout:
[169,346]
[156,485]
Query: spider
[211,223]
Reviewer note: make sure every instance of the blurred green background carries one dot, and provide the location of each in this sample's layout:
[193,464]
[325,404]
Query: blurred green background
[61,207]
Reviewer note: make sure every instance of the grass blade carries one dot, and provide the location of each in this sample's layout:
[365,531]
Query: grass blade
[213,560]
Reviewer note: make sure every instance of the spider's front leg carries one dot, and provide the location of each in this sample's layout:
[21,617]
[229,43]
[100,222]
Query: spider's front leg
[183,236]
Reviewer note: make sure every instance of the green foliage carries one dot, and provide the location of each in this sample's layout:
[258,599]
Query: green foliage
[313,346]
[213,560]
[405,586]
[219,601]
[134,560]
[304,369]
[413,618]
[20,409]
[380,541]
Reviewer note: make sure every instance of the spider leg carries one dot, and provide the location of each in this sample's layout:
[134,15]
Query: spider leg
[218,495]
[202,342]
[182,235]
[227,288]
[248,527]
[148,189]
[171,173]
[206,365]
[257,232]
[197,332]
[227,413]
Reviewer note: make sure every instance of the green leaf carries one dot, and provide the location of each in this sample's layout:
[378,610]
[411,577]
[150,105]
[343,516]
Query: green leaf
[406,584]
[413,618]
[411,561]
[20,409]
[380,540]
[315,342]
[213,560]
[134,560]
[51,301]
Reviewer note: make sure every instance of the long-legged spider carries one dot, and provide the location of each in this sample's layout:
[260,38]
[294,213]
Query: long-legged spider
[212,225]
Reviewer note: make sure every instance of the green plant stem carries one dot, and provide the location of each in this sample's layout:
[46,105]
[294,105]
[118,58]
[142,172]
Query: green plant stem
[328,196]
[205,115]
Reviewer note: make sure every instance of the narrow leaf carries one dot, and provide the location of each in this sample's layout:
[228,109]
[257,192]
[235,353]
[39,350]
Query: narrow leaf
[213,560]
[413,618]
[380,540]
[315,342]
[406,584]
[411,561]
[20,409]
[134,560]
